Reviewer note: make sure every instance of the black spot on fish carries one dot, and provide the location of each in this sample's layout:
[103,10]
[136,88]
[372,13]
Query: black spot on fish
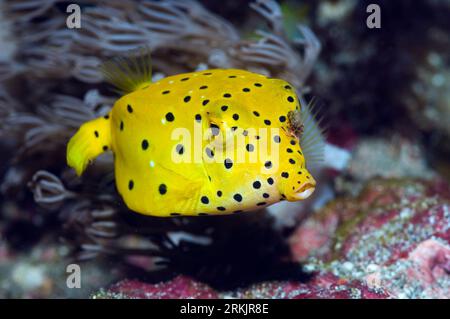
[205,102]
[256,113]
[170,117]
[224,108]
[250,147]
[257,84]
[184,79]
[291,161]
[256,184]
[228,163]
[204,200]
[290,99]
[282,118]
[268,164]
[221,208]
[121,125]
[270,181]
[265,195]
[237,197]
[289,150]
[219,193]
[198,117]
[105,148]
[209,152]
[187,99]
[180,149]
[96,134]
[130,185]
[261,204]
[235,117]
[129,108]
[285,174]
[214,129]
[267,122]
[166,92]
[162,189]
[144,144]
[227,95]
[246,90]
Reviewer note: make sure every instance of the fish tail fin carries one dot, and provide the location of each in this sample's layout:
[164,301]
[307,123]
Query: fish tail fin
[91,139]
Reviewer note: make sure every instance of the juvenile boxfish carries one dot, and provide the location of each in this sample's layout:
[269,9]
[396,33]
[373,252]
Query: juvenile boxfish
[162,166]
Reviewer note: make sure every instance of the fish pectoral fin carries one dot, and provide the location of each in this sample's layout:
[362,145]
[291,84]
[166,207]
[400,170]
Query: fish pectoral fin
[184,182]
[183,190]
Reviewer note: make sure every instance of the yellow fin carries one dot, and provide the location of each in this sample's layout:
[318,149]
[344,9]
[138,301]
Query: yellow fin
[129,73]
[91,139]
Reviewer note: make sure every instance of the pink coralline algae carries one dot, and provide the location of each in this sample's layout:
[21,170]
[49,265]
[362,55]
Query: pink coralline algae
[323,286]
[395,235]
[428,265]
[180,287]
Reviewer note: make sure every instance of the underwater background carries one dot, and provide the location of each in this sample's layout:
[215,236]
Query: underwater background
[378,224]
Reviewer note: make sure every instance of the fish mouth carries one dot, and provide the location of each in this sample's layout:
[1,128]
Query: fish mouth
[305,191]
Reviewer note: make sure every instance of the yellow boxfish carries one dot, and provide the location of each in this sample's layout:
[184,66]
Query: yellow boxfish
[218,141]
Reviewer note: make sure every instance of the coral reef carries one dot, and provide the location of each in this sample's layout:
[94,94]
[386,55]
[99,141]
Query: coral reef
[394,235]
[178,288]
[378,225]
[323,287]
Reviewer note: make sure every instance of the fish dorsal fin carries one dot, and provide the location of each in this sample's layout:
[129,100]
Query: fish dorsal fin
[129,73]
[312,140]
